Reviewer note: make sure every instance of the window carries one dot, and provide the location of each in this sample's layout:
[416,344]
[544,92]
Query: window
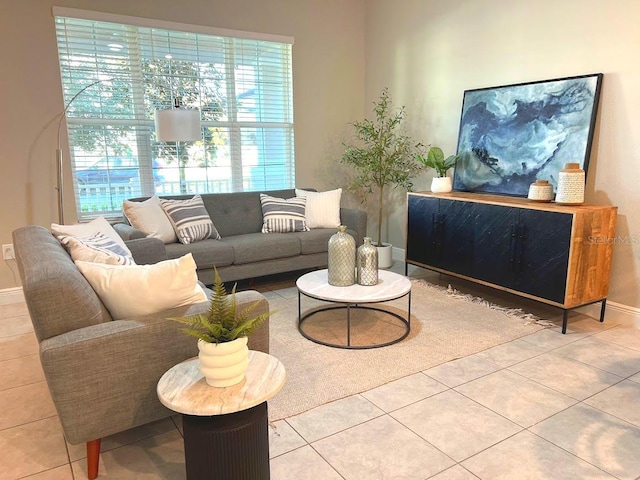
[116,74]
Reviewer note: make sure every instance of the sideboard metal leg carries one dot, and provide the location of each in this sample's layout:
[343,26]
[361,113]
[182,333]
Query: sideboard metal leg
[602,308]
[564,321]
[406,269]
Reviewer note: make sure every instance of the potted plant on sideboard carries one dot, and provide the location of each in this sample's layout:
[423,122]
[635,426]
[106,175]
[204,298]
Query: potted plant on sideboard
[381,156]
[222,336]
[435,159]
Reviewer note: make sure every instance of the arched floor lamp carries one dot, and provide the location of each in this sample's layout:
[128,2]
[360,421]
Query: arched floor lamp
[176,124]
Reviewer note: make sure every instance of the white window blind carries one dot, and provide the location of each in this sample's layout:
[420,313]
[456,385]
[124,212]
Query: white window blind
[242,87]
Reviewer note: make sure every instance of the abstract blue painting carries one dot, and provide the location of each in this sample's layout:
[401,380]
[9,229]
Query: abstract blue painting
[512,135]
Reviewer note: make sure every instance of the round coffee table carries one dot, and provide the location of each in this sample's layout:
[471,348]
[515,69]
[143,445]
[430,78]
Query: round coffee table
[391,286]
[225,429]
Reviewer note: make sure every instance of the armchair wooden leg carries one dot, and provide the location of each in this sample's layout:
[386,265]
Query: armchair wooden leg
[93,458]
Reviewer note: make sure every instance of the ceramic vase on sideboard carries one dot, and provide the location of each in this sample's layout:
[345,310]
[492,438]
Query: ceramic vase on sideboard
[441,184]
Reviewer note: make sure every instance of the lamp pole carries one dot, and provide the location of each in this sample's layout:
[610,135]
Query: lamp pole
[173,124]
[60,156]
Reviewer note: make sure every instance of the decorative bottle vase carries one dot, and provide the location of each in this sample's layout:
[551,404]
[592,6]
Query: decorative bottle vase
[441,184]
[342,258]
[367,263]
[224,364]
[541,191]
[571,185]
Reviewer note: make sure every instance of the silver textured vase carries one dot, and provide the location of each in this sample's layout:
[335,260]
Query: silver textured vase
[342,258]
[367,263]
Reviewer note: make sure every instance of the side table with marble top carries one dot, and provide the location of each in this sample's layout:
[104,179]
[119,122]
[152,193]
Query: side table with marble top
[225,429]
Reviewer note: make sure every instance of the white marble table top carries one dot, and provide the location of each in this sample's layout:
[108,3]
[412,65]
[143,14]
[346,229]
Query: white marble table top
[183,388]
[389,287]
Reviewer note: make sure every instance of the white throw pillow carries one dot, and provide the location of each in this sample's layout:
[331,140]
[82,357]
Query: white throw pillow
[149,217]
[323,208]
[133,290]
[97,248]
[83,230]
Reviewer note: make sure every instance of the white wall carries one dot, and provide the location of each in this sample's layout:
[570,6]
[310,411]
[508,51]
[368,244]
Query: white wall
[328,76]
[428,53]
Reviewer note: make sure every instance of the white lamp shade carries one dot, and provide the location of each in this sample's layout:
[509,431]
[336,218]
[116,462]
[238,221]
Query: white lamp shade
[178,125]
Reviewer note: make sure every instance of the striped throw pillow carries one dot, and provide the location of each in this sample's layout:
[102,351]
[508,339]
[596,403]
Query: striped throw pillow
[97,248]
[190,219]
[282,216]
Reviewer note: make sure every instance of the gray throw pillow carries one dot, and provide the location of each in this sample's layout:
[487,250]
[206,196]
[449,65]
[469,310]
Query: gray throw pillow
[190,219]
[282,216]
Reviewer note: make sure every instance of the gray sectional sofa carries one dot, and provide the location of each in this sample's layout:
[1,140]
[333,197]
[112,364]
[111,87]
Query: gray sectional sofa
[244,252]
[102,373]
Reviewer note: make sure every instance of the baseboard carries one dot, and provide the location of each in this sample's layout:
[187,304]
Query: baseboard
[615,312]
[11,295]
[397,253]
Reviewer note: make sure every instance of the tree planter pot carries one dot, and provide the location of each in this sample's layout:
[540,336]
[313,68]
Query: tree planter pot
[224,364]
[385,258]
[441,184]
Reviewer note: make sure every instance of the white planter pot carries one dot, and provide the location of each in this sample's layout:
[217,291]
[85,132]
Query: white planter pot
[441,184]
[224,364]
[385,259]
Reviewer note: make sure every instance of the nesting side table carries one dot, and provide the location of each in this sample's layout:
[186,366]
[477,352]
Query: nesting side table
[225,429]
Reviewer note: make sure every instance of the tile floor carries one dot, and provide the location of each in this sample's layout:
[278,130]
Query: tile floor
[546,406]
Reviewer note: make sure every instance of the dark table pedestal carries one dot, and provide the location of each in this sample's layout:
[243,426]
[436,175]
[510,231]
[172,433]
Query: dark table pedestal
[232,446]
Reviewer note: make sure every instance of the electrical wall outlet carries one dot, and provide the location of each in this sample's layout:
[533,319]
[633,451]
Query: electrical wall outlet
[7,252]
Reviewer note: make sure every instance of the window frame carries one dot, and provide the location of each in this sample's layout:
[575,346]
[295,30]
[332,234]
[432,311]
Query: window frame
[143,128]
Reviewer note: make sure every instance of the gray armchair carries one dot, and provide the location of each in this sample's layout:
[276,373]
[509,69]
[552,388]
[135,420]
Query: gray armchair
[102,373]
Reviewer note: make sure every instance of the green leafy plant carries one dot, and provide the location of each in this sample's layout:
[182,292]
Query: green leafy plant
[435,159]
[222,323]
[382,155]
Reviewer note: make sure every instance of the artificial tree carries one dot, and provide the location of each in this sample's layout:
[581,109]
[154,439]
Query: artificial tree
[382,155]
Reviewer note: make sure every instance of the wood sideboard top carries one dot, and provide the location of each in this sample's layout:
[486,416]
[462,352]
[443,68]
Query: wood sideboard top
[520,202]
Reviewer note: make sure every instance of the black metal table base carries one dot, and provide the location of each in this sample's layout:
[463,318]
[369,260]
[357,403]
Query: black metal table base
[232,446]
[348,307]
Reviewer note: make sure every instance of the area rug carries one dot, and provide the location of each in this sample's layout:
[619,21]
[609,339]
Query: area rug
[444,326]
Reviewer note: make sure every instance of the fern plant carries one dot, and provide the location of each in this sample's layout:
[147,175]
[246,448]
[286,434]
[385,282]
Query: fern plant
[222,323]
[435,159]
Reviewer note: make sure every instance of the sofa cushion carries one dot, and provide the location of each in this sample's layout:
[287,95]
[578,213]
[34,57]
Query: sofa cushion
[207,253]
[315,241]
[149,217]
[132,290]
[323,208]
[256,247]
[190,219]
[281,215]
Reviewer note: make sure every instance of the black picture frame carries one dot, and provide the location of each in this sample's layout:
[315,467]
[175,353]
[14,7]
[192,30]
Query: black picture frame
[512,135]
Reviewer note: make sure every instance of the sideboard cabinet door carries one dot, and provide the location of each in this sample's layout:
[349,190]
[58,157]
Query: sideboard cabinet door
[456,236]
[495,244]
[421,229]
[521,249]
[440,233]
[543,255]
